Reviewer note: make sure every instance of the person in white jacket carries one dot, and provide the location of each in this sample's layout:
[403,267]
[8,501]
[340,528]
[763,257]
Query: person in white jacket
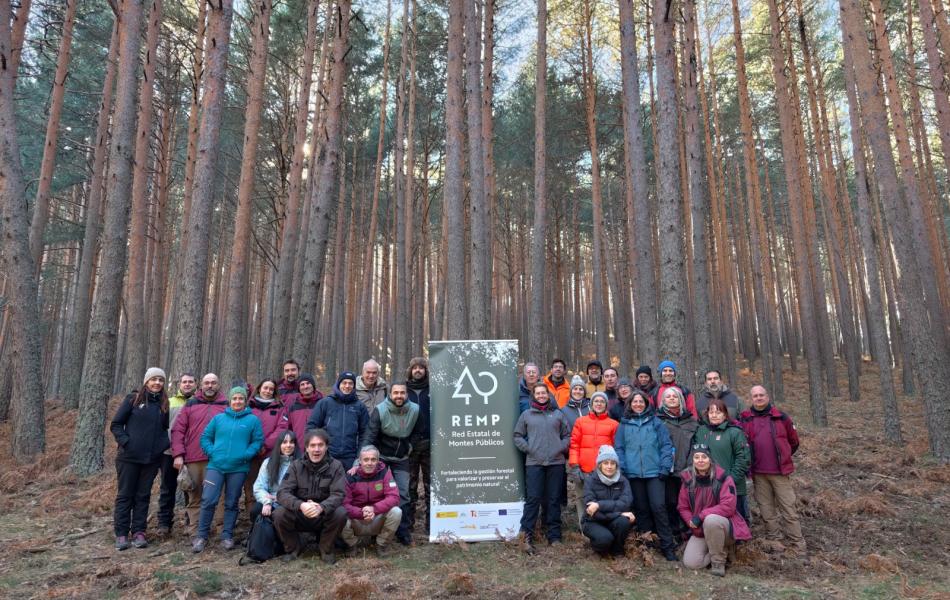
[272,473]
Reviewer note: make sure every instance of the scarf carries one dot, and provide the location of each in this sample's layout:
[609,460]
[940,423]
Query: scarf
[542,407]
[397,421]
[608,480]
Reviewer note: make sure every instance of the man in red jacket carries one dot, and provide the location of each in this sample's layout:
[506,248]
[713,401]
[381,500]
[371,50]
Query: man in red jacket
[773,440]
[371,503]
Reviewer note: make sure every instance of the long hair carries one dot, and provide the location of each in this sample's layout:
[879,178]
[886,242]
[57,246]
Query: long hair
[141,398]
[679,396]
[273,465]
[257,391]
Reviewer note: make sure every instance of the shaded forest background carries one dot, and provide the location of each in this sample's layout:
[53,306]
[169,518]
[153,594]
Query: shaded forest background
[220,186]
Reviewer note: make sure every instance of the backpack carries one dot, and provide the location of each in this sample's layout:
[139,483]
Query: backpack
[262,542]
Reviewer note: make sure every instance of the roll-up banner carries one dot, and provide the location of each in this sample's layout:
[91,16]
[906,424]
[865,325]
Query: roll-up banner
[477,473]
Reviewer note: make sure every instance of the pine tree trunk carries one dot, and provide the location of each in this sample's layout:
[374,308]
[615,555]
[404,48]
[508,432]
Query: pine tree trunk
[82,300]
[322,200]
[480,287]
[402,272]
[940,84]
[162,231]
[48,162]
[234,360]
[672,284]
[135,354]
[453,185]
[927,352]
[537,272]
[18,35]
[87,455]
[189,335]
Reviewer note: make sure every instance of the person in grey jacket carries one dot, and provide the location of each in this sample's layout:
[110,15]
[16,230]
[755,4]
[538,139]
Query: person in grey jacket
[544,436]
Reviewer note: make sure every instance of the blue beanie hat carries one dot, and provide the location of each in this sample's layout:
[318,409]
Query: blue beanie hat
[667,363]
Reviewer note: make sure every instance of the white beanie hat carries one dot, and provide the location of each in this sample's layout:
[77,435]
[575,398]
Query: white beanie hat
[153,372]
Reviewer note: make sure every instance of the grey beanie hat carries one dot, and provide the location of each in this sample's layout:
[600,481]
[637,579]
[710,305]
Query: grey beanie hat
[607,453]
[153,372]
[578,380]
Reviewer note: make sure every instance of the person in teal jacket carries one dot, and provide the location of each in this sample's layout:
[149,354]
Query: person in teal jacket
[231,440]
[643,445]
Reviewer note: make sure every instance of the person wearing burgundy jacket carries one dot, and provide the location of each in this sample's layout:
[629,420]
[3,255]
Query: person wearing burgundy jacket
[707,503]
[288,385]
[773,440]
[371,503]
[270,412]
[186,439]
[297,407]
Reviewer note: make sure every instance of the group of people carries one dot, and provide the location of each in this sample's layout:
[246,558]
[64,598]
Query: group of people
[654,455]
[346,466]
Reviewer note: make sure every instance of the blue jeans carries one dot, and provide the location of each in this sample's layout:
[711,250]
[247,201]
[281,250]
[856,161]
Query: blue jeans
[233,484]
[543,485]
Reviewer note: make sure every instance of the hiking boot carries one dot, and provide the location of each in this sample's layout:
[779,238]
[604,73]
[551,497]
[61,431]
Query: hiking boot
[556,542]
[718,569]
[122,543]
[289,557]
[139,541]
[529,549]
[328,557]
[670,555]
[163,531]
[198,545]
[384,550]
[227,544]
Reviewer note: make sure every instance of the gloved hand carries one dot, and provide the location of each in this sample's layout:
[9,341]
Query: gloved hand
[695,522]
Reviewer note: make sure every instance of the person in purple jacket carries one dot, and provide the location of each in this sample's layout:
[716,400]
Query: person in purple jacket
[297,407]
[186,438]
[371,503]
[707,503]
[269,410]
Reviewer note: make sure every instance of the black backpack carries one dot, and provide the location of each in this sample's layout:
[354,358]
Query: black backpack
[262,542]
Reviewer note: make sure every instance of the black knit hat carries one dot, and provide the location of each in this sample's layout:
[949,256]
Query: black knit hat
[645,370]
[594,363]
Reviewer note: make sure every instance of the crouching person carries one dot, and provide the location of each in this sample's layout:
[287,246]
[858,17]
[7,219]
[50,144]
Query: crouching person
[707,503]
[607,496]
[371,503]
[310,498]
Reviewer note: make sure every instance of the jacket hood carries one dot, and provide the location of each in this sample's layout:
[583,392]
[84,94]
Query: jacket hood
[684,415]
[237,415]
[380,467]
[721,393]
[262,404]
[629,415]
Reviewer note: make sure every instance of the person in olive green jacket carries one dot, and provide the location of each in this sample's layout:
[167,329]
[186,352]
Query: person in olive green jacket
[729,447]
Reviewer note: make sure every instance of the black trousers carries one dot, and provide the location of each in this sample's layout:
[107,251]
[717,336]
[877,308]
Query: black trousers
[607,536]
[420,464]
[543,487]
[649,506]
[134,483]
[672,488]
[166,496]
[290,524]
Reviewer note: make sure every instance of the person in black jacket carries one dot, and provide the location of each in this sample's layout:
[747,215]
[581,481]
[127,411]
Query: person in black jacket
[420,458]
[607,496]
[140,428]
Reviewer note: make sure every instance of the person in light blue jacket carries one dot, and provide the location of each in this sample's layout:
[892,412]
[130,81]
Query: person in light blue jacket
[643,445]
[272,473]
[231,440]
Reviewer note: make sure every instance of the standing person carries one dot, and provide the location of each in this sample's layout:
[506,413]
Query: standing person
[714,389]
[625,391]
[557,383]
[140,428]
[589,434]
[299,406]
[370,387]
[578,404]
[668,380]
[544,437]
[311,499]
[290,382]
[270,412]
[531,376]
[231,440]
[607,497]
[390,429]
[371,503]
[420,458]
[682,427]
[271,473]
[169,484]
[729,447]
[343,417]
[773,440]
[707,503]
[646,458]
[186,439]
[595,378]
[645,382]
[611,378]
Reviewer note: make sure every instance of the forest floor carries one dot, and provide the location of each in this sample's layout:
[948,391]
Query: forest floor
[876,519]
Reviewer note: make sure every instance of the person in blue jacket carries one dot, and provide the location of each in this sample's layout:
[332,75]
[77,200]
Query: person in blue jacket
[231,440]
[646,458]
[344,417]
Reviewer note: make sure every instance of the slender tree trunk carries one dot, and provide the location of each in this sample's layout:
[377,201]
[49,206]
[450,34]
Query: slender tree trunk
[453,186]
[234,361]
[162,230]
[82,302]
[537,272]
[401,271]
[18,35]
[189,336]
[479,292]
[672,284]
[135,354]
[57,97]
[86,456]
[926,348]
[322,199]
[940,84]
